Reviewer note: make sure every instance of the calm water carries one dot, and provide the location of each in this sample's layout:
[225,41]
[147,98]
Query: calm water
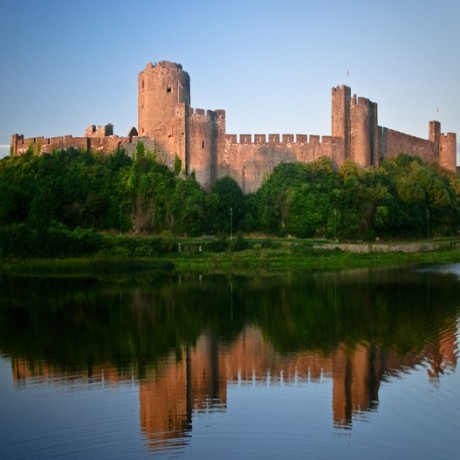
[352,365]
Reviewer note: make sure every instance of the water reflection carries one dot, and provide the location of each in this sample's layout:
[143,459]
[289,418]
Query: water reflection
[184,344]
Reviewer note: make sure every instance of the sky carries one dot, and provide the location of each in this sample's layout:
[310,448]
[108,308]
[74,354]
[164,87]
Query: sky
[270,64]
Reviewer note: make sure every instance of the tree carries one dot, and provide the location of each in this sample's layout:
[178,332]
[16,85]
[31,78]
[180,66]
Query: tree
[227,209]
[188,211]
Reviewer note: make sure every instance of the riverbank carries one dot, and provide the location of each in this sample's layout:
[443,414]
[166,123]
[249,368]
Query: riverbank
[260,256]
[314,258]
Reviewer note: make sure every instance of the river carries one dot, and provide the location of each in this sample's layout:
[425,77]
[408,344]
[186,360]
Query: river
[350,365]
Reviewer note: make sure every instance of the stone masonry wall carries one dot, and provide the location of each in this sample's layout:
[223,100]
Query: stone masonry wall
[168,141]
[42,145]
[250,160]
[392,143]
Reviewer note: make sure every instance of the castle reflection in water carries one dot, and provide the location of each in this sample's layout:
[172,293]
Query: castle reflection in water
[196,377]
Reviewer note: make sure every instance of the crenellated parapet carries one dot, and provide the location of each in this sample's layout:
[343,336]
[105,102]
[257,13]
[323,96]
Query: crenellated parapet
[249,158]
[277,139]
[44,145]
[100,131]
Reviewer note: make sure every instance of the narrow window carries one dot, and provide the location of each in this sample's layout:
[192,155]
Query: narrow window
[168,89]
[202,144]
[142,84]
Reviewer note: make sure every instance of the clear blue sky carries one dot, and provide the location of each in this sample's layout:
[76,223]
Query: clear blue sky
[270,64]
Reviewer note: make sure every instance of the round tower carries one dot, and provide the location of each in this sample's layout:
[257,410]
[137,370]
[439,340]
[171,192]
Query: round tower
[448,151]
[160,87]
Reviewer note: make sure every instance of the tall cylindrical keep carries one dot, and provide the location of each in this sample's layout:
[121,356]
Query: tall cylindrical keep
[160,88]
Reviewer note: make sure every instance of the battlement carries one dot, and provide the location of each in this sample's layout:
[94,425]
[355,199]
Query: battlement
[163,65]
[360,101]
[340,88]
[168,65]
[277,139]
[44,140]
[205,113]
[100,131]
[42,145]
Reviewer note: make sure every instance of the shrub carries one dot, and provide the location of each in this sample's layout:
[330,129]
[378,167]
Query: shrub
[239,243]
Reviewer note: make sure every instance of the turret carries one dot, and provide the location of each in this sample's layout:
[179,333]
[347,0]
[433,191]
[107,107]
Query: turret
[448,151]
[340,128]
[364,133]
[434,136]
[15,140]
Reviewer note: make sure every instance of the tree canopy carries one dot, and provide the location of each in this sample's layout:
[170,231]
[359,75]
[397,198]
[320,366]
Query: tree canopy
[76,193]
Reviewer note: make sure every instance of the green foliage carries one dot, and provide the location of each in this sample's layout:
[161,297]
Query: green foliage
[297,199]
[239,243]
[177,165]
[56,240]
[217,245]
[313,200]
[227,208]
[136,247]
[73,323]
[55,196]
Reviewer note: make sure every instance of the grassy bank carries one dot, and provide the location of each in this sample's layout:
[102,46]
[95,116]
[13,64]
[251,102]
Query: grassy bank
[82,267]
[259,256]
[279,260]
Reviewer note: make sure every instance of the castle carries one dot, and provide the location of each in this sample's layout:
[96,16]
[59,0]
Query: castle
[168,124]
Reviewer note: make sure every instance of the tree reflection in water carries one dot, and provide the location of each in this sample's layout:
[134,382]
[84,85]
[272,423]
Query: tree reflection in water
[185,340]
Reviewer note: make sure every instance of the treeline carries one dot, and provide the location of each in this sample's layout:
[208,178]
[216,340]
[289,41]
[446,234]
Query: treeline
[56,204]
[403,198]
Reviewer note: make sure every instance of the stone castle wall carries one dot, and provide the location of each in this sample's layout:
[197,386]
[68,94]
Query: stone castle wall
[170,126]
[254,157]
[393,143]
[42,145]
